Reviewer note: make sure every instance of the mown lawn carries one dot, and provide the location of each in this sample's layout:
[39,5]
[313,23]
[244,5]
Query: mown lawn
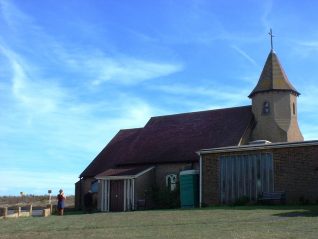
[253,222]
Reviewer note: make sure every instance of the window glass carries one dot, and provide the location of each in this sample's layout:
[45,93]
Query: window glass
[266,108]
[171,181]
[94,186]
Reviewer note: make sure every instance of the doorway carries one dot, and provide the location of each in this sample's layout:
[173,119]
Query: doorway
[117,195]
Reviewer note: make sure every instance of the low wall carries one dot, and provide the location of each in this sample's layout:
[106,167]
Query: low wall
[25,211]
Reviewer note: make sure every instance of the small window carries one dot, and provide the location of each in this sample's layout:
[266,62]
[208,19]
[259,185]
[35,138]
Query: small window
[171,181]
[294,109]
[266,108]
[94,186]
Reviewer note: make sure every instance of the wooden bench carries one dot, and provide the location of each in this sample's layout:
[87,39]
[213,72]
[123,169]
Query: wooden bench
[272,198]
[141,204]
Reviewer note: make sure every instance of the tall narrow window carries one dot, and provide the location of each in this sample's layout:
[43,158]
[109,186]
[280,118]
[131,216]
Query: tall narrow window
[294,109]
[266,109]
[171,181]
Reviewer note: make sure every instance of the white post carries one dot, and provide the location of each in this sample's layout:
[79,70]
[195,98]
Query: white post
[102,196]
[125,193]
[128,195]
[108,195]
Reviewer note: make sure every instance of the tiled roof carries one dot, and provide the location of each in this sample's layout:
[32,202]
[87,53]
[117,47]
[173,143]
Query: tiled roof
[173,138]
[273,77]
[177,138]
[113,150]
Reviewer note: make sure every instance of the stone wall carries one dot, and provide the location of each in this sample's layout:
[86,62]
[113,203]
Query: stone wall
[280,124]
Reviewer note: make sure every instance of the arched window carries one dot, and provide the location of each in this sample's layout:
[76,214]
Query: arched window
[171,181]
[294,108]
[266,108]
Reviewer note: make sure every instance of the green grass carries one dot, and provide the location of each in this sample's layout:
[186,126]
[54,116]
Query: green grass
[254,222]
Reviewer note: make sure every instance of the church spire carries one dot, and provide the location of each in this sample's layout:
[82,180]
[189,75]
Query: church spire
[273,77]
[274,104]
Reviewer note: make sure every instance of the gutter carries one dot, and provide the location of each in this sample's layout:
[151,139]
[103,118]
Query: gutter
[125,176]
[200,188]
[258,147]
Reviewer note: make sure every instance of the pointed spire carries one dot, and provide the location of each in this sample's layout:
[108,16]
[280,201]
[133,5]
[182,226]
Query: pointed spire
[273,77]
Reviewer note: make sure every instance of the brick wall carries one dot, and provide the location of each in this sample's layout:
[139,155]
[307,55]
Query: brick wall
[143,185]
[82,187]
[210,179]
[295,172]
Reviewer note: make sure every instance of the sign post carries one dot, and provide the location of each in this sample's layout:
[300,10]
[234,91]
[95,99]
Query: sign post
[49,192]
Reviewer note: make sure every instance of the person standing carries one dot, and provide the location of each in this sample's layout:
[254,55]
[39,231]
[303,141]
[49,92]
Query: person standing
[61,202]
[88,201]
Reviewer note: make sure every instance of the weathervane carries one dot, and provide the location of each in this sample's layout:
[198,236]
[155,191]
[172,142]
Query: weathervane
[271,34]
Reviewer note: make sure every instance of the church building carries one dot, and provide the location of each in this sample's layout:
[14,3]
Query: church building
[238,152]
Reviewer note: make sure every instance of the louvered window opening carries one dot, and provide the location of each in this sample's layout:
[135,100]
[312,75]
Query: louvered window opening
[245,176]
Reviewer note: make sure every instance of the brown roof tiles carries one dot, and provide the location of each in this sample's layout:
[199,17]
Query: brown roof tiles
[173,138]
[111,153]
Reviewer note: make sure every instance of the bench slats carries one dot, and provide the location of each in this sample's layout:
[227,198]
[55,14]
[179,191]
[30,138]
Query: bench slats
[272,197]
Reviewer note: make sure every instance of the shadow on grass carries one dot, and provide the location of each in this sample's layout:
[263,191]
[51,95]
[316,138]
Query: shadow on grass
[307,211]
[69,212]
[291,210]
[73,211]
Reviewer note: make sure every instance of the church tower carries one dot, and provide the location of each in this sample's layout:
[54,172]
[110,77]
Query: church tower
[274,105]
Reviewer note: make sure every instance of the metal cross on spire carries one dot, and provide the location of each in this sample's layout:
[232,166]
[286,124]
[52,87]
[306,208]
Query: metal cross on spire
[271,34]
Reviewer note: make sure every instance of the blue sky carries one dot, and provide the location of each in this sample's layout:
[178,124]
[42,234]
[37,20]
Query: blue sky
[73,73]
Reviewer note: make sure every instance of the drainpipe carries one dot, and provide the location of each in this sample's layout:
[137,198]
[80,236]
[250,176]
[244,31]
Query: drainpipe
[200,189]
[80,195]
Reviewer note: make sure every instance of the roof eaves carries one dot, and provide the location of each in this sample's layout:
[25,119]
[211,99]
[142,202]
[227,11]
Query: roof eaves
[125,176]
[258,147]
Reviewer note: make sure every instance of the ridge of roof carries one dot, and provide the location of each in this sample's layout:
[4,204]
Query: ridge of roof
[176,138]
[273,77]
[197,112]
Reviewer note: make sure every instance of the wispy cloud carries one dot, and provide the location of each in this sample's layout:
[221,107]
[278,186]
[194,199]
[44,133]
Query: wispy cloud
[305,48]
[209,90]
[245,55]
[308,100]
[265,17]
[67,133]
[214,96]
[309,44]
[94,64]
[48,122]
[128,70]
[64,120]
[307,113]
[34,93]
[12,15]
